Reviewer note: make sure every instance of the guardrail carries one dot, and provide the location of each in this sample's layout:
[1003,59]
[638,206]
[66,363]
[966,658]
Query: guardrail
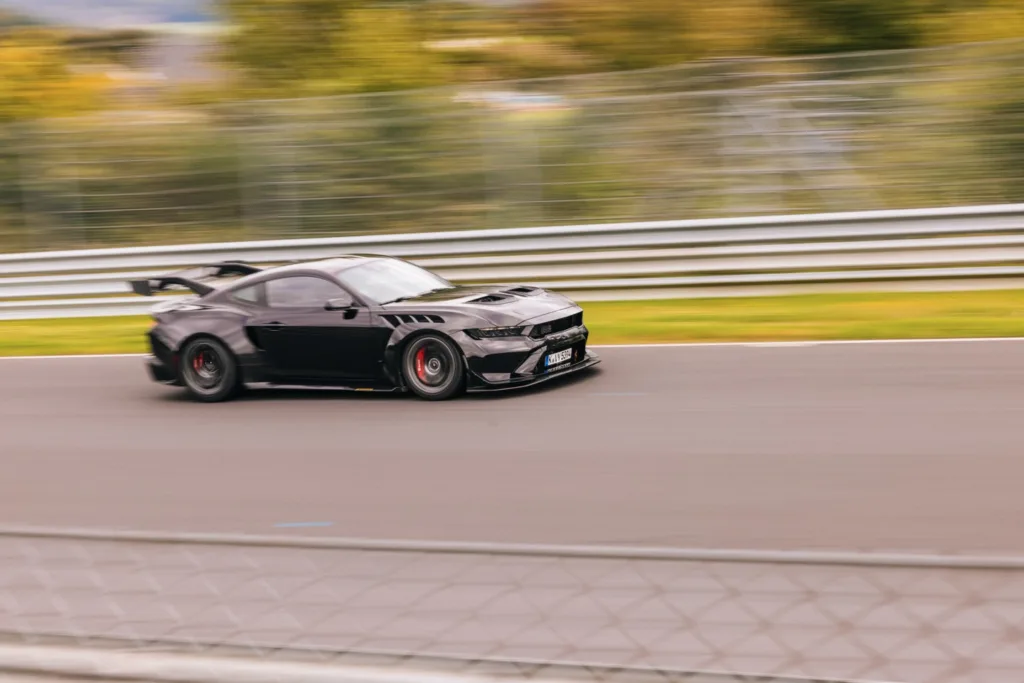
[966,247]
[762,615]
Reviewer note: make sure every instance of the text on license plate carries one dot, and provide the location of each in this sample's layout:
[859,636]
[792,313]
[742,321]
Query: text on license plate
[560,357]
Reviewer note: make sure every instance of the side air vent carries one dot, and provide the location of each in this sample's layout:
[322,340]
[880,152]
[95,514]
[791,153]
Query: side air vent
[489,299]
[397,319]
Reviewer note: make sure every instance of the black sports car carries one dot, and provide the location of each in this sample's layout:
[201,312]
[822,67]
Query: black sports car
[359,322]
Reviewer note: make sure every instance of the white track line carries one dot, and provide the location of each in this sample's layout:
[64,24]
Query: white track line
[676,345]
[76,356]
[823,342]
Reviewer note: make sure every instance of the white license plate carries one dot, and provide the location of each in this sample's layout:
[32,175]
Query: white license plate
[557,358]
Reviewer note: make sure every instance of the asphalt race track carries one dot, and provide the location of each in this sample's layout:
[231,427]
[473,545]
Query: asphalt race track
[896,446]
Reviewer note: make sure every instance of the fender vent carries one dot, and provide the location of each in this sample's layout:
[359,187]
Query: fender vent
[489,299]
[397,319]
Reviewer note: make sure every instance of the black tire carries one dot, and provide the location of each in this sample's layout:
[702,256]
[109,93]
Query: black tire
[209,372]
[433,368]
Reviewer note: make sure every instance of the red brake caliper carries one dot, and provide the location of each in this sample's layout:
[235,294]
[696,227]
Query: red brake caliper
[197,362]
[420,371]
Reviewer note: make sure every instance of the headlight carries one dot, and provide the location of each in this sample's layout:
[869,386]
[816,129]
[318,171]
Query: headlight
[494,332]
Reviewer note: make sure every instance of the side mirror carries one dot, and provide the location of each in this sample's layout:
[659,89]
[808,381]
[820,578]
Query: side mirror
[338,304]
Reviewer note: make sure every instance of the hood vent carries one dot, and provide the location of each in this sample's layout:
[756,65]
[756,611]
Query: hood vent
[397,319]
[489,299]
[524,291]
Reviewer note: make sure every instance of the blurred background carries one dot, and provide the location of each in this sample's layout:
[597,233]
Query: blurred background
[162,123]
[165,121]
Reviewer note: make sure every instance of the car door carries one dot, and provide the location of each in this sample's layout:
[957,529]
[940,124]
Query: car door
[304,340]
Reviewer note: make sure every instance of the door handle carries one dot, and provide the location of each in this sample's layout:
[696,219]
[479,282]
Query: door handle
[273,326]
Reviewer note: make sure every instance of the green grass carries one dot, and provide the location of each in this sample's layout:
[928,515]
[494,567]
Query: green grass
[781,318]
[77,335]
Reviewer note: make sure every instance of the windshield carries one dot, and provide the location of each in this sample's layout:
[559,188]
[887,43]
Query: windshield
[388,280]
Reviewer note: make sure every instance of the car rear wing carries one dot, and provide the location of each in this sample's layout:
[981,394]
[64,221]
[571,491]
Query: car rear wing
[194,279]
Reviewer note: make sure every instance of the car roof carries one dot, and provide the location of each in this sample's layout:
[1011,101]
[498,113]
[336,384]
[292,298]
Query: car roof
[332,265]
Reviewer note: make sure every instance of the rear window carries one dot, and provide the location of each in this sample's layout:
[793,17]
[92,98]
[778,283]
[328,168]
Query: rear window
[249,295]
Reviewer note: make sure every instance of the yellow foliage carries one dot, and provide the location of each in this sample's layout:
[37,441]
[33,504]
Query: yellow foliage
[383,49]
[627,35]
[35,81]
[994,20]
[729,28]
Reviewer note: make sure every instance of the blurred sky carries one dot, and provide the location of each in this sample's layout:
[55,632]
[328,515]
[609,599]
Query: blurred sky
[112,13]
[119,13]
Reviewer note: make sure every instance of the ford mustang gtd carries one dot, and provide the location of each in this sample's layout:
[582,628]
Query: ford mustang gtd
[356,322]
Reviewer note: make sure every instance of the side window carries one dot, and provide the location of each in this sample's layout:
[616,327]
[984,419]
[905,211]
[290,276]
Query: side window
[249,295]
[301,292]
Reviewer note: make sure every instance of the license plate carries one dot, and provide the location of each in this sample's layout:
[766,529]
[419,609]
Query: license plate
[558,358]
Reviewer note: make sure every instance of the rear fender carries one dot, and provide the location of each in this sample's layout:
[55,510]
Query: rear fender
[227,328]
[248,372]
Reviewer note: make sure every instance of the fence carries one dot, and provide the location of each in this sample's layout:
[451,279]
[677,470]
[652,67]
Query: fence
[967,247]
[832,617]
[905,129]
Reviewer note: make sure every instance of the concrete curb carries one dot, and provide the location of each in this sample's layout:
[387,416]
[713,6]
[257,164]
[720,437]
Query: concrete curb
[891,560]
[97,665]
[150,667]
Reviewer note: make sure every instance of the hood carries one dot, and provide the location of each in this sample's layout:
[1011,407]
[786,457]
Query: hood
[498,304]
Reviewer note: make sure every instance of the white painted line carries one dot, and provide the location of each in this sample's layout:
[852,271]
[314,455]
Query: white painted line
[76,356]
[823,342]
[670,345]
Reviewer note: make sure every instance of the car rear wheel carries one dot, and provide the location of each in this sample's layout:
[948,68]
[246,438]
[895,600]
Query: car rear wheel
[208,371]
[432,367]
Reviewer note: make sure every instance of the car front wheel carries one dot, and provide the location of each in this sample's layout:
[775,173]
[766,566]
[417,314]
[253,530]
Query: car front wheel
[432,367]
[208,371]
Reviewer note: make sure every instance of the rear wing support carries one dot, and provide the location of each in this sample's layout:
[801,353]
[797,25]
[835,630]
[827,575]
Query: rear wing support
[193,279]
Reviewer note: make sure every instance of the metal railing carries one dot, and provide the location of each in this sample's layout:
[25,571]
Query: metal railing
[980,246]
[824,616]
[892,130]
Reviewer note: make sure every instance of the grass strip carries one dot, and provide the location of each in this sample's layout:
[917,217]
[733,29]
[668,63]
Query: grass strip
[897,315]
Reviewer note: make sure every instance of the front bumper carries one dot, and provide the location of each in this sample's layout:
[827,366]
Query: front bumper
[507,364]
[590,360]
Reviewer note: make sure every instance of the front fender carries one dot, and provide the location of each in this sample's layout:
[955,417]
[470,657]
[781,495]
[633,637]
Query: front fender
[401,338]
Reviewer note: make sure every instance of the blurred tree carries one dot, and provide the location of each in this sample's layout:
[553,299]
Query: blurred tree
[9,19]
[384,48]
[118,47]
[975,21]
[282,43]
[327,46]
[823,26]
[619,35]
[309,47]
[730,28]
[36,79]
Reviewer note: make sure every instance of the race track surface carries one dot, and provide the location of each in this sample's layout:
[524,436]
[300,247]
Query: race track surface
[901,446]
